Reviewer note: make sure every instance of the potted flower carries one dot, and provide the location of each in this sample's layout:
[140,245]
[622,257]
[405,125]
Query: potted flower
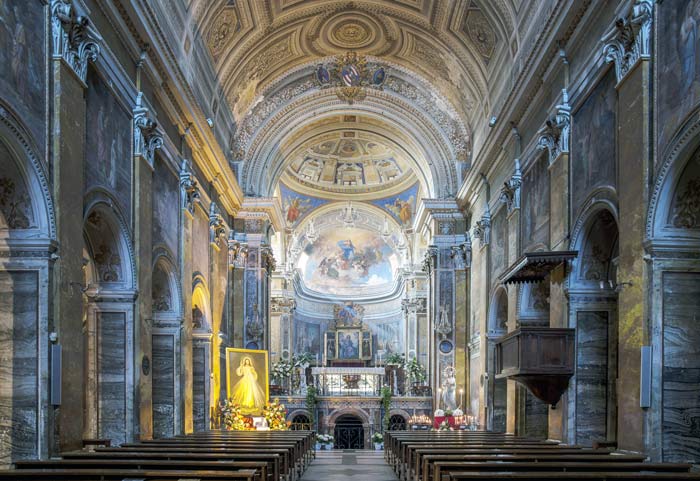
[416,373]
[378,440]
[280,374]
[324,441]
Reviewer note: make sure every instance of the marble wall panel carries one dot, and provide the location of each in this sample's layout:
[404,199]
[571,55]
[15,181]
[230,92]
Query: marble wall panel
[593,143]
[163,385]
[681,371]
[535,205]
[500,393]
[536,413]
[678,56]
[108,160]
[199,380]
[591,377]
[18,369]
[111,381]
[166,206]
[24,60]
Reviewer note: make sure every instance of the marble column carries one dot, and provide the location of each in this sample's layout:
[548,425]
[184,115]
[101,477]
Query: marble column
[189,197]
[147,139]
[444,223]
[67,145]
[554,137]
[634,159]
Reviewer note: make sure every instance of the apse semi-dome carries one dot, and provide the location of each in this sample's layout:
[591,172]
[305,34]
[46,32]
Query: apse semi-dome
[349,262]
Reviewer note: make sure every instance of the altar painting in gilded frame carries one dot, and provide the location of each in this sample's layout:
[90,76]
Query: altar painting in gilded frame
[247,376]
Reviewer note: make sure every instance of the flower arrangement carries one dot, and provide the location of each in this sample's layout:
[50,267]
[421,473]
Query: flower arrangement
[416,372]
[457,413]
[439,413]
[276,416]
[324,438]
[300,360]
[445,426]
[281,370]
[396,358]
[448,412]
[231,417]
[377,438]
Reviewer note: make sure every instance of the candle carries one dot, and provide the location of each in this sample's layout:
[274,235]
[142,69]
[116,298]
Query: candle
[461,398]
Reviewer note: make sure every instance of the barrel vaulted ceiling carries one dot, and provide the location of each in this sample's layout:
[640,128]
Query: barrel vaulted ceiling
[443,57]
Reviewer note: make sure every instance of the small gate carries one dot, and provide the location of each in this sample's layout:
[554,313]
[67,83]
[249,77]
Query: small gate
[349,433]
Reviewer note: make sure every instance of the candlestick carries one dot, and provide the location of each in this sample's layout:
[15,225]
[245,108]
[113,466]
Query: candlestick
[461,398]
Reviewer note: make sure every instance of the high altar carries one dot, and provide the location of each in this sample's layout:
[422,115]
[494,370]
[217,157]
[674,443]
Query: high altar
[349,343]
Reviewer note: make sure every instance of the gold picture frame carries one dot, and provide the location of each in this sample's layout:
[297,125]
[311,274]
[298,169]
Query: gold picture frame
[248,379]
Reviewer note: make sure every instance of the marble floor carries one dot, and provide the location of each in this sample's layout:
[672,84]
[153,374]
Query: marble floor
[341,465]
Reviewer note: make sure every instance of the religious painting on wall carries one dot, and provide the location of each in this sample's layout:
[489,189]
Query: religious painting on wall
[499,237]
[22,56]
[348,262]
[330,343]
[307,337]
[402,207]
[349,345]
[296,206]
[535,206]
[593,162]
[108,143]
[166,206]
[247,376]
[678,65]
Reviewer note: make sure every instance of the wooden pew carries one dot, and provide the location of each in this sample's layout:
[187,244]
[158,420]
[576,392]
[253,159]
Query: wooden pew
[121,474]
[260,468]
[598,476]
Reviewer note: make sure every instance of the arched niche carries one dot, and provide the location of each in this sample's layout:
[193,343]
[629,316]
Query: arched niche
[165,291]
[165,345]
[201,353]
[201,312]
[497,388]
[110,269]
[109,246]
[592,291]
[672,247]
[27,232]
[498,312]
[533,304]
[26,207]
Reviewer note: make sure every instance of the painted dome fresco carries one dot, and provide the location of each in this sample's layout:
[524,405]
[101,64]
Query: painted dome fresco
[348,162]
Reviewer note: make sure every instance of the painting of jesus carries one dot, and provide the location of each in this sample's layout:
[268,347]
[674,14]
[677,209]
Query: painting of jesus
[247,376]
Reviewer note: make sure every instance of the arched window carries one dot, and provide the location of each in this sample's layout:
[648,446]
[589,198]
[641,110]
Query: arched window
[397,423]
[301,422]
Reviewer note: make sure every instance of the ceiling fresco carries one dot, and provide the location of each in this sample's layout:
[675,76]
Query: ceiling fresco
[348,262]
[344,162]
[256,43]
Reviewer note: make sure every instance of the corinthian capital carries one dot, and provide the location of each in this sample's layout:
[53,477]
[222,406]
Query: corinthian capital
[73,39]
[630,37]
[147,138]
[554,136]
